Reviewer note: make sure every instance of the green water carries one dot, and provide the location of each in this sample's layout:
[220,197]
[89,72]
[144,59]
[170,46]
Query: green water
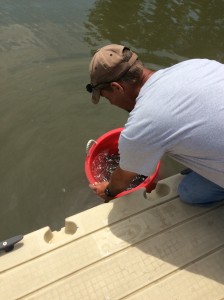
[46,115]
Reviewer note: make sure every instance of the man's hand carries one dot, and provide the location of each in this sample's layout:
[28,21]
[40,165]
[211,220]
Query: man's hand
[99,188]
[119,181]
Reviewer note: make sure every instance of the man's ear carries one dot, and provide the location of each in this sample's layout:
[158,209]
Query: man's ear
[117,87]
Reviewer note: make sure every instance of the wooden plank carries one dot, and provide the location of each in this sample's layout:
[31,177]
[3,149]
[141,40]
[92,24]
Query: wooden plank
[43,241]
[118,250]
[203,279]
[132,268]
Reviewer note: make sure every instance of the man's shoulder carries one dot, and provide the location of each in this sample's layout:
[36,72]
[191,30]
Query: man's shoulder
[179,72]
[195,64]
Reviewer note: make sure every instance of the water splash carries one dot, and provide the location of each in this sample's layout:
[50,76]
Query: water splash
[103,166]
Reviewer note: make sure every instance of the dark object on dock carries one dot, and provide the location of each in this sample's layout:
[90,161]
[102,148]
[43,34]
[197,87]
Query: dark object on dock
[8,245]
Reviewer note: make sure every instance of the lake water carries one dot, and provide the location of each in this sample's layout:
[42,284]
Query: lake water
[46,115]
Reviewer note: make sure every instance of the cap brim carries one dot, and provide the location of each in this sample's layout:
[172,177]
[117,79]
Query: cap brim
[95,96]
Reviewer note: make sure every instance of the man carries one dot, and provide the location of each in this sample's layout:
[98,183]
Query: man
[178,111]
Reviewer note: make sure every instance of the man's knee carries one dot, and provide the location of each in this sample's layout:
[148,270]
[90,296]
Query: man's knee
[185,193]
[195,189]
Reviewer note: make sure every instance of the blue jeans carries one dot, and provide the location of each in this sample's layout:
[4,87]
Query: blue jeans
[195,189]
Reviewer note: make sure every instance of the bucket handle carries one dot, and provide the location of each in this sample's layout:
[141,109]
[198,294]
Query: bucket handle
[89,145]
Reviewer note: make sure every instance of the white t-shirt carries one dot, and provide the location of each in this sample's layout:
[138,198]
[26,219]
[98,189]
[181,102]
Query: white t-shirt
[179,111]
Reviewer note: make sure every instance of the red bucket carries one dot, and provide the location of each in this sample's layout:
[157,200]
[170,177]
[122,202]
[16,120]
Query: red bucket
[108,144]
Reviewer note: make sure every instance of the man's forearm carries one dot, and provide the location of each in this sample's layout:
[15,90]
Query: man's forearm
[120,180]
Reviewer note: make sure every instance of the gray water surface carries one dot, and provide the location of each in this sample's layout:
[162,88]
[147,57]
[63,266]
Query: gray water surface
[47,116]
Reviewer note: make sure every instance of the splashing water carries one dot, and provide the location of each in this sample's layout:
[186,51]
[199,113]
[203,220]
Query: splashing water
[103,166]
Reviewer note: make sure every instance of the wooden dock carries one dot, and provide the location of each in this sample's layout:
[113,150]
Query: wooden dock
[141,246]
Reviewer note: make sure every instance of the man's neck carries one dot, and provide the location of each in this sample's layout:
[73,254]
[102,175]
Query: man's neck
[145,76]
[134,91]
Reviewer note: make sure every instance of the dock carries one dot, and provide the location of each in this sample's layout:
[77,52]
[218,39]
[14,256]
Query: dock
[141,246]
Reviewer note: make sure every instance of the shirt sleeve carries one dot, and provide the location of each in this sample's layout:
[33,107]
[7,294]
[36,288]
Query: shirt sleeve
[138,156]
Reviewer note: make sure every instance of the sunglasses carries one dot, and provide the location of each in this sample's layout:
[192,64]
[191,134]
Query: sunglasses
[90,87]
